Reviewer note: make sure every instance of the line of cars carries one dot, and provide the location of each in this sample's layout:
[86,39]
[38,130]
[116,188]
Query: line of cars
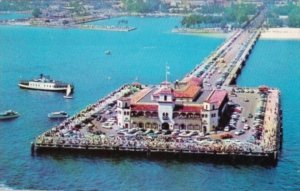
[236,115]
[234,119]
[133,132]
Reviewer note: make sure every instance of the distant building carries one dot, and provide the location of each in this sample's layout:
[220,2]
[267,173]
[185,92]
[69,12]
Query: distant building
[182,105]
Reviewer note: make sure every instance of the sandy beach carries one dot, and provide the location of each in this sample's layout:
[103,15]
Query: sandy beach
[281,33]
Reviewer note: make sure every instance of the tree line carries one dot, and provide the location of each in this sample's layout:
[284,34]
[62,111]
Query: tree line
[235,15]
[290,10]
[141,6]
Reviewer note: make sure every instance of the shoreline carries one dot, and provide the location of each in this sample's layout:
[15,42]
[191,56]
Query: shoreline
[284,33]
[203,32]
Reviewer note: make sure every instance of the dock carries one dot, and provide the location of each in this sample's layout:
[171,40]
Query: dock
[107,28]
[129,120]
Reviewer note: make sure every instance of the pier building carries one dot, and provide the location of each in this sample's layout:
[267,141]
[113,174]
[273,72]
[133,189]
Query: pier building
[183,105]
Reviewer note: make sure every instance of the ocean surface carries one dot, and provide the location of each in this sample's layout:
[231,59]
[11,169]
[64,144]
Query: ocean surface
[77,56]
[13,15]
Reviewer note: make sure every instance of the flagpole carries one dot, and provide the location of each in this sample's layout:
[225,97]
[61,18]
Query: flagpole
[166,73]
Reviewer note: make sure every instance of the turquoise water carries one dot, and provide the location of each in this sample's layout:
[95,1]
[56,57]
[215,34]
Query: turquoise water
[78,56]
[277,64]
[7,16]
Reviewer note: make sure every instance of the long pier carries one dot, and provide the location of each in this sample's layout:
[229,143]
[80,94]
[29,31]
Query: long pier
[260,107]
[222,67]
[239,64]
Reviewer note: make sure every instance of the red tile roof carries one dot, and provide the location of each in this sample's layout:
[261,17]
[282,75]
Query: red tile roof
[193,80]
[164,91]
[144,107]
[189,92]
[188,108]
[191,89]
[217,96]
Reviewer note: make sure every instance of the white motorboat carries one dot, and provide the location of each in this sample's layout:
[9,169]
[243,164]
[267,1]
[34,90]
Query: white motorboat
[10,114]
[58,115]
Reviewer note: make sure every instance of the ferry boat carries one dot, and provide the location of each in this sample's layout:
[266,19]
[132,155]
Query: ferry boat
[45,83]
[58,115]
[9,115]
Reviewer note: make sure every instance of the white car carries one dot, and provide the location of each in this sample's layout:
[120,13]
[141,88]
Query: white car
[246,126]
[239,132]
[111,120]
[227,128]
[107,125]
[244,120]
[235,117]
[133,130]
[192,133]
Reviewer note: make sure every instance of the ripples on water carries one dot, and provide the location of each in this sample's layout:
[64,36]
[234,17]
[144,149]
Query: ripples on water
[78,56]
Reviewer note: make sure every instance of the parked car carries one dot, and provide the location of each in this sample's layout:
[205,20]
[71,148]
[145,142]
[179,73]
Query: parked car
[151,135]
[246,126]
[133,130]
[226,136]
[184,134]
[239,132]
[148,131]
[108,125]
[227,128]
[193,133]
[244,120]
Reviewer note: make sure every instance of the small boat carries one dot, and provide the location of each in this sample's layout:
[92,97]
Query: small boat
[58,115]
[107,52]
[68,92]
[10,114]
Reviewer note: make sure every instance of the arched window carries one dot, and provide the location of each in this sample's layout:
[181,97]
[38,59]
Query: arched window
[165,98]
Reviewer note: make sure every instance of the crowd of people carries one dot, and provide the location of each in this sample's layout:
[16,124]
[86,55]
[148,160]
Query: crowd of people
[143,142]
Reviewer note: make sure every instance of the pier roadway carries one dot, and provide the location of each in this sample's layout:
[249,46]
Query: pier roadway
[222,67]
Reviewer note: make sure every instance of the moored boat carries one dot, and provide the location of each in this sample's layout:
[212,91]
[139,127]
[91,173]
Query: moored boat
[45,83]
[58,115]
[107,52]
[9,115]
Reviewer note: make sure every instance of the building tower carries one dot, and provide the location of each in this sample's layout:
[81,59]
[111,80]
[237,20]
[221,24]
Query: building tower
[210,118]
[166,106]
[123,112]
